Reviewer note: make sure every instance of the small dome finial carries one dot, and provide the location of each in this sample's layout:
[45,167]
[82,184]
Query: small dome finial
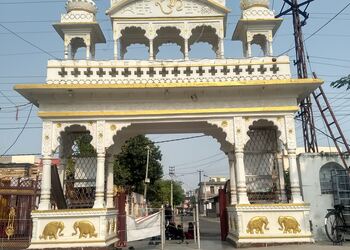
[246,4]
[84,5]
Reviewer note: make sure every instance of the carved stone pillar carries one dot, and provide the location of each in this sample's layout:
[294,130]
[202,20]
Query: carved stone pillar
[109,198]
[116,41]
[100,181]
[151,50]
[292,159]
[233,188]
[249,50]
[294,177]
[186,49]
[45,184]
[88,55]
[67,51]
[241,180]
[221,48]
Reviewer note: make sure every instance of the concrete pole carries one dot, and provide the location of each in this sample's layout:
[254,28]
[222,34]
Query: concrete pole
[197,229]
[146,179]
[171,194]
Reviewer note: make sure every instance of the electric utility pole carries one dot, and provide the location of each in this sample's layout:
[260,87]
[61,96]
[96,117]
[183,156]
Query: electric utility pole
[327,114]
[306,114]
[200,189]
[171,174]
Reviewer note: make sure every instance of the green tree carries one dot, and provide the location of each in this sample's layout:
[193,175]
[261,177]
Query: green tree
[342,82]
[130,164]
[160,193]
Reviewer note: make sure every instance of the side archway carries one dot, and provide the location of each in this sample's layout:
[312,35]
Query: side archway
[263,164]
[325,176]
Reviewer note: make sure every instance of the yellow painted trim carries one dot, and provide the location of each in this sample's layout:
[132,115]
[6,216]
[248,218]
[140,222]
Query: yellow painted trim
[261,19]
[77,241]
[71,210]
[120,4]
[81,85]
[44,114]
[275,237]
[273,205]
[170,65]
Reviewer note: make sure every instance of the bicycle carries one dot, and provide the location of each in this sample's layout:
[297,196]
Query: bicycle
[337,223]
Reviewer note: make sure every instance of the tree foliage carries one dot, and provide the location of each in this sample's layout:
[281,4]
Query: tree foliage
[161,192]
[342,82]
[130,165]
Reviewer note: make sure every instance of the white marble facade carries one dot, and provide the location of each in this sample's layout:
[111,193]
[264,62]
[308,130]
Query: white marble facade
[222,98]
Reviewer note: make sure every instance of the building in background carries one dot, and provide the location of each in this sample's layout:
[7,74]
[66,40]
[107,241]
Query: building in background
[207,190]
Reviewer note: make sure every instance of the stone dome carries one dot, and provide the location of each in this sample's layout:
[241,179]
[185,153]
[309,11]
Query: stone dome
[84,5]
[246,4]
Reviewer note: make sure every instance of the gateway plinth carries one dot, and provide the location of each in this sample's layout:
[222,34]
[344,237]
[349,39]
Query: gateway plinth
[247,105]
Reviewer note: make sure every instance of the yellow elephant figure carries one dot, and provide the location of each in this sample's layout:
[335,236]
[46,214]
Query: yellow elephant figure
[257,224]
[86,228]
[52,230]
[288,224]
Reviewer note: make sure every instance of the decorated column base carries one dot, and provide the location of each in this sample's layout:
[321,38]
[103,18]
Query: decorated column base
[269,224]
[74,228]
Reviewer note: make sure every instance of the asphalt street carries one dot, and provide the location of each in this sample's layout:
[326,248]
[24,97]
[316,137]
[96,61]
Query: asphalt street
[210,240]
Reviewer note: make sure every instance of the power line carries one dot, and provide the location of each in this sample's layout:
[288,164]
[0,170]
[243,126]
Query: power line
[7,98]
[20,133]
[30,43]
[203,159]
[320,28]
[180,139]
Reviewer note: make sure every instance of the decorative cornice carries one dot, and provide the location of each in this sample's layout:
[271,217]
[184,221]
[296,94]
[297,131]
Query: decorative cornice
[81,84]
[44,114]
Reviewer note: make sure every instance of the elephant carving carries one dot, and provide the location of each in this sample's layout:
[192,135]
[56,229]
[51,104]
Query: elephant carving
[288,224]
[257,225]
[86,228]
[52,230]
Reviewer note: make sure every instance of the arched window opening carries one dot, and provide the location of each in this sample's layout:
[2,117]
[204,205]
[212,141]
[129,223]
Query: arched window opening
[137,52]
[134,44]
[261,164]
[326,176]
[80,168]
[169,44]
[205,35]
[202,50]
[169,51]
[259,45]
[78,48]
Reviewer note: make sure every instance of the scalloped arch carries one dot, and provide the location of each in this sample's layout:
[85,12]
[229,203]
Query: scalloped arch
[277,122]
[61,128]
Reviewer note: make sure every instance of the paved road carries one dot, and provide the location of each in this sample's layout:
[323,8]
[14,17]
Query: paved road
[210,240]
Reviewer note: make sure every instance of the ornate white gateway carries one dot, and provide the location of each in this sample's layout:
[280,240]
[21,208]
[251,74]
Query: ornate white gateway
[247,105]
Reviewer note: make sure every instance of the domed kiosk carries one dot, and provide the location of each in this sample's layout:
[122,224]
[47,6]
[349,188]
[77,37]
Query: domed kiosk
[79,28]
[257,25]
